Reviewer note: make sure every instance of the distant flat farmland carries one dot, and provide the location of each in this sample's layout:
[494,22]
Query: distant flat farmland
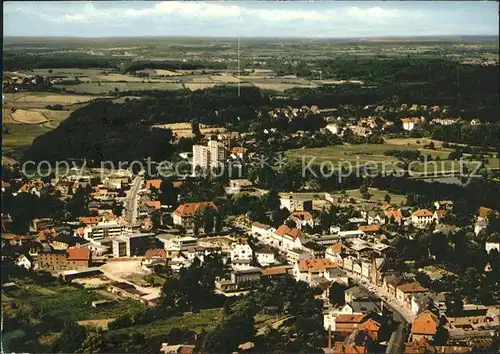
[42,99]
[105,87]
[277,86]
[224,78]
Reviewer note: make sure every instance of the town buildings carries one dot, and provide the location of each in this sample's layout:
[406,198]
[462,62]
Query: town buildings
[134,244]
[73,258]
[214,154]
[294,204]
[184,214]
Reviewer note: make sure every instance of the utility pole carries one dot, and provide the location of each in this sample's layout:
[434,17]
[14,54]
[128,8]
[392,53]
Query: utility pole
[239,68]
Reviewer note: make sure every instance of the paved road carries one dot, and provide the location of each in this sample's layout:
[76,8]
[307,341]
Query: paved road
[400,313]
[131,200]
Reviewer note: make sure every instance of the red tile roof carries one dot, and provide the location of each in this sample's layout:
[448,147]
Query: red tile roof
[484,212]
[302,215]
[410,120]
[315,264]
[418,347]
[414,287]
[155,253]
[153,183]
[350,318]
[338,248]
[349,349]
[78,254]
[425,323]
[284,230]
[396,214]
[153,204]
[90,220]
[371,325]
[267,272]
[188,209]
[422,213]
[369,228]
[46,234]
[238,150]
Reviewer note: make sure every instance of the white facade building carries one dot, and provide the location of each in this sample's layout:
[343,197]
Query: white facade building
[489,246]
[241,251]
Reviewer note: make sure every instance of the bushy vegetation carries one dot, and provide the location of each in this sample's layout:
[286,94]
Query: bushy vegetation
[173,65]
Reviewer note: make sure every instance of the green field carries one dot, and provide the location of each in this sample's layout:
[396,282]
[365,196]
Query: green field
[106,87]
[204,320]
[377,195]
[67,302]
[374,153]
[18,136]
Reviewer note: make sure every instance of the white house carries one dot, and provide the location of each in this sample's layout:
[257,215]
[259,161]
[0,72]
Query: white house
[286,238]
[307,269]
[241,250]
[330,315]
[178,261]
[422,217]
[333,128]
[302,219]
[490,245]
[265,256]
[262,230]
[410,123]
[24,261]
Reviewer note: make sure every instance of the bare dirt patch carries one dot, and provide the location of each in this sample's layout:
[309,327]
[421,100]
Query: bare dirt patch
[103,323]
[24,116]
[200,85]
[225,79]
[167,73]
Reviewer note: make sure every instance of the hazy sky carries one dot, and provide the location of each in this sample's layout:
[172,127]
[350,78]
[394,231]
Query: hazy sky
[250,18]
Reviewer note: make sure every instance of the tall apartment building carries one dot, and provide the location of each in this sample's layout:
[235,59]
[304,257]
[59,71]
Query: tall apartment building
[201,157]
[208,156]
[217,152]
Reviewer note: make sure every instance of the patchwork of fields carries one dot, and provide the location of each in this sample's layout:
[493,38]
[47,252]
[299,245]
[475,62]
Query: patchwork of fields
[358,155]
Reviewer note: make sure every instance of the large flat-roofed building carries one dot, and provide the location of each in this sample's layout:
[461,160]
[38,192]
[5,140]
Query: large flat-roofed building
[291,203]
[134,244]
[184,243]
[105,229]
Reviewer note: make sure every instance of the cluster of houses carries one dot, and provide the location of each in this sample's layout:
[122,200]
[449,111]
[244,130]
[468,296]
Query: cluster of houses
[357,252]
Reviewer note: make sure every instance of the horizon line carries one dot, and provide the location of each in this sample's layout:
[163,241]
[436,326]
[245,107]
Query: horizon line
[261,37]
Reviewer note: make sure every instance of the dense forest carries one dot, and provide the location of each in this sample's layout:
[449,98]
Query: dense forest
[173,65]
[20,61]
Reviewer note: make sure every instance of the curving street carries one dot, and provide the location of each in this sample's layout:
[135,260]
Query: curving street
[400,312]
[130,202]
